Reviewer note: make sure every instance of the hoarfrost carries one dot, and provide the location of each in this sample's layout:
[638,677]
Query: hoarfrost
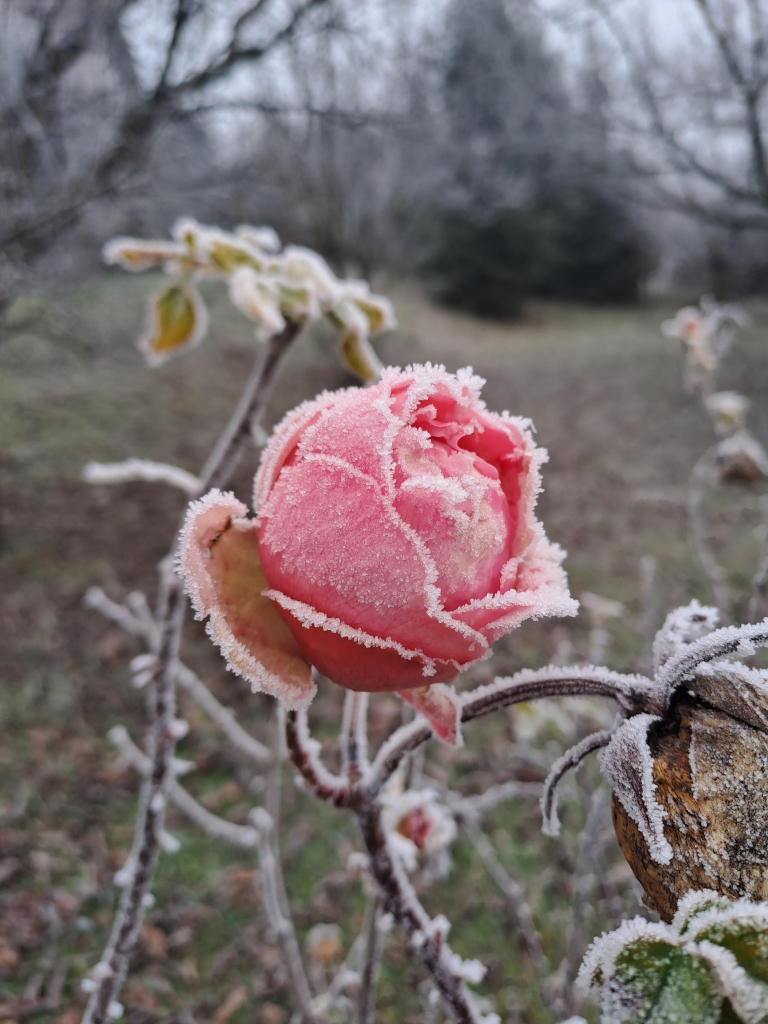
[628,765]
[570,759]
[740,691]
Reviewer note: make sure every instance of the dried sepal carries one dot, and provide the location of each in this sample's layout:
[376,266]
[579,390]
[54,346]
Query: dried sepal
[681,627]
[177,321]
[441,707]
[571,759]
[627,763]
[219,561]
[741,458]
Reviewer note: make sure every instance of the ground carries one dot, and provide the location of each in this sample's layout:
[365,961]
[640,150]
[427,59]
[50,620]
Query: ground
[604,389]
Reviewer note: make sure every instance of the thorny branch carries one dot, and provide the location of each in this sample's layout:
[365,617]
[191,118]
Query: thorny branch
[110,973]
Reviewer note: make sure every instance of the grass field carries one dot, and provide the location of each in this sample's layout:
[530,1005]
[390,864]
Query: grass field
[605,392]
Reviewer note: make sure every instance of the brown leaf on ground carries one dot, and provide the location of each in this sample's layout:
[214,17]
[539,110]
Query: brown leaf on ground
[9,959]
[216,798]
[72,1015]
[154,942]
[9,866]
[237,887]
[112,645]
[139,998]
[271,1013]
[231,1005]
[180,938]
[187,970]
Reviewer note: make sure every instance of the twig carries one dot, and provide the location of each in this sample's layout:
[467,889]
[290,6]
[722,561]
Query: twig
[137,624]
[498,794]
[354,735]
[515,896]
[110,972]
[366,999]
[701,476]
[275,899]
[758,602]
[141,469]
[304,751]
[219,828]
[632,692]
[649,602]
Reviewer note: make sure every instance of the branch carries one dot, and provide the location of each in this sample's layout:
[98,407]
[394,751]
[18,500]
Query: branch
[633,693]
[366,998]
[219,828]
[304,752]
[427,936]
[141,469]
[129,620]
[354,735]
[103,1003]
[275,900]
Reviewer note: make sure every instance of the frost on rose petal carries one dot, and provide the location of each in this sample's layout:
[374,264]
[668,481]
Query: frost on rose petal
[628,765]
[440,706]
[219,561]
[740,691]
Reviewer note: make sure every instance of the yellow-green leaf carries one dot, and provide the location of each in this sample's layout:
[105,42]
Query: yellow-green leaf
[358,356]
[178,320]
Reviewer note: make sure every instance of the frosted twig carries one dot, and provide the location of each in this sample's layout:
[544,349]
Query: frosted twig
[498,794]
[427,936]
[149,827]
[354,734]
[219,828]
[304,751]
[275,900]
[366,998]
[701,476]
[97,600]
[571,759]
[223,716]
[632,692]
[103,1002]
[515,896]
[141,469]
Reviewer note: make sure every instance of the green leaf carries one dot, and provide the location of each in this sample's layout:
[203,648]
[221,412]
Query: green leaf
[747,940]
[358,357]
[655,983]
[177,321]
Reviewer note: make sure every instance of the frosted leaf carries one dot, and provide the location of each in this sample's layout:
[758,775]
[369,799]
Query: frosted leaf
[642,976]
[727,409]
[570,759]
[177,321]
[441,707]
[258,299]
[219,561]
[628,765]
[137,254]
[306,267]
[747,995]
[682,665]
[693,904]
[739,691]
[358,356]
[680,627]
[263,238]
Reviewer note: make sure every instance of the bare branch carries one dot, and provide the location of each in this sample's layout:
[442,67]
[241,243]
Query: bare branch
[305,754]
[141,469]
[366,998]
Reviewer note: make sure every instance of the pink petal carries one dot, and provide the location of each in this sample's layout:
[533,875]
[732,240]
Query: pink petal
[219,560]
[440,706]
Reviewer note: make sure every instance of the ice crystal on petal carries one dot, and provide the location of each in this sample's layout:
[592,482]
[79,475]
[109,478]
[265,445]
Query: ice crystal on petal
[628,765]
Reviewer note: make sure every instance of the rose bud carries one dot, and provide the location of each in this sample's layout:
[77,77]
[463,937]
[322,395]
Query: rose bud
[395,541]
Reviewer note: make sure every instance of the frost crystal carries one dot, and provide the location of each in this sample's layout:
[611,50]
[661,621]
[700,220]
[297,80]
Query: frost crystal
[628,765]
[680,627]
[739,691]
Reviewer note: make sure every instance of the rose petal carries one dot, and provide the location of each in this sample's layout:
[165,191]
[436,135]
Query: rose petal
[219,560]
[440,706]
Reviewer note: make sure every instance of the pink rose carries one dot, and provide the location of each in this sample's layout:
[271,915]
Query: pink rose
[395,541]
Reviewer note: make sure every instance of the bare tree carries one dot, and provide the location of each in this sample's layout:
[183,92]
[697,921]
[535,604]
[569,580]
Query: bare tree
[92,90]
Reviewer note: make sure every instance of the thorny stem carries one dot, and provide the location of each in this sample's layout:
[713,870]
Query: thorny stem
[701,476]
[113,967]
[366,999]
[425,936]
[275,900]
[633,693]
